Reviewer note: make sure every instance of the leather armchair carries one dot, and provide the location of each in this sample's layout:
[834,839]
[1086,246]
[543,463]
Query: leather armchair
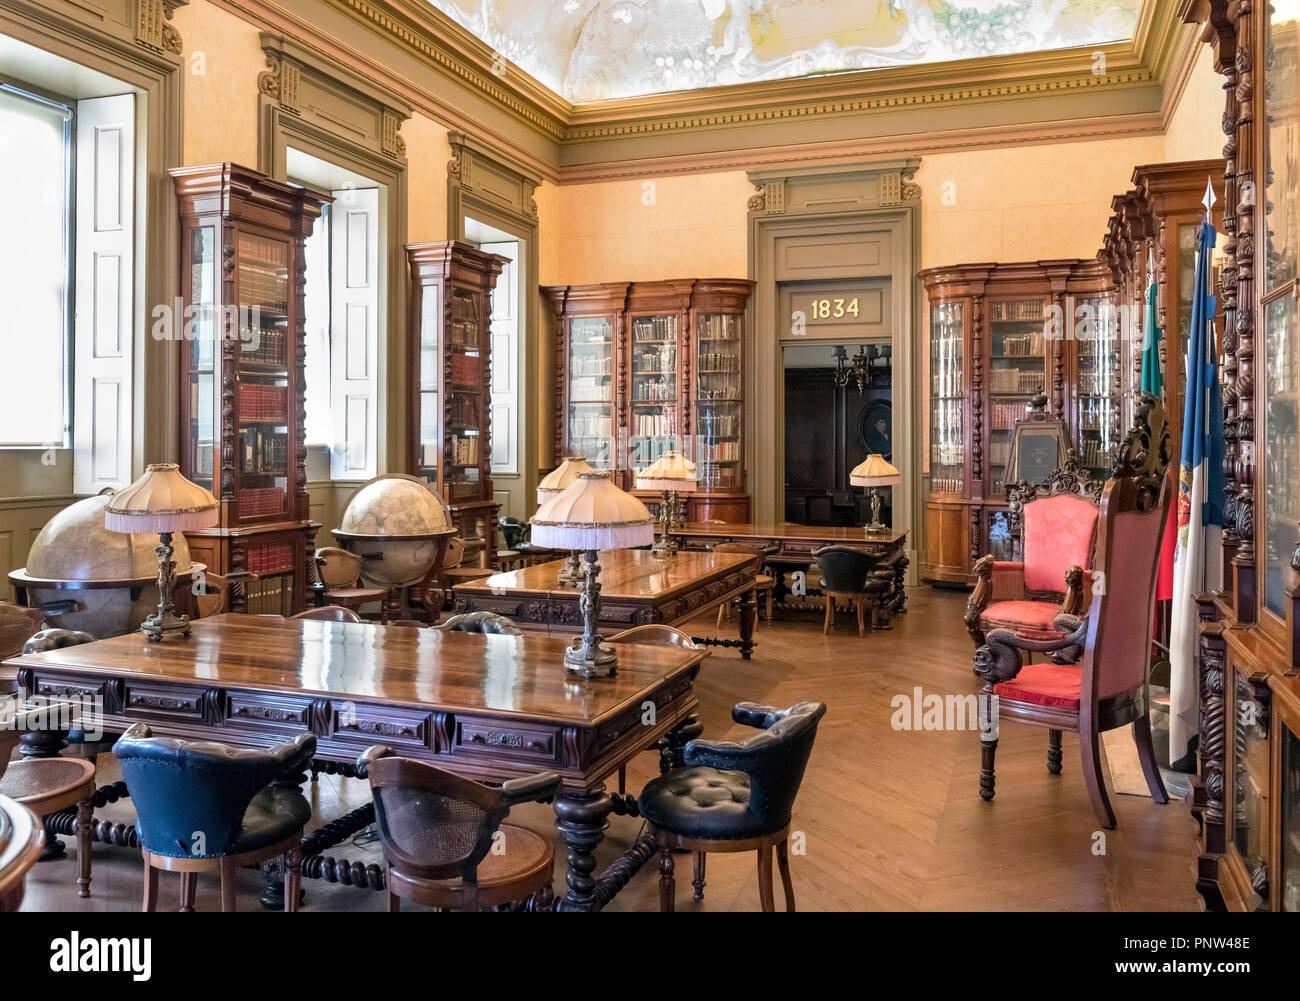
[56,639]
[204,806]
[734,796]
[481,622]
[846,573]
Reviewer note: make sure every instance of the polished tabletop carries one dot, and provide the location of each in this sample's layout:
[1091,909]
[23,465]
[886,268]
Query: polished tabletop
[456,671]
[624,574]
[787,530]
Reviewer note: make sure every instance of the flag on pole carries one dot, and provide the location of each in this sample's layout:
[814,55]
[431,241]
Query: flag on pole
[1200,505]
[1153,382]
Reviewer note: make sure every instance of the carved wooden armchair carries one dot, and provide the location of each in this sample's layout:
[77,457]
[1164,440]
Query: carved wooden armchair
[1100,679]
[1053,531]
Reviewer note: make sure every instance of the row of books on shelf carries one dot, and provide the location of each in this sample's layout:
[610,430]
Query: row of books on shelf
[720,451]
[589,391]
[464,449]
[263,450]
[1016,309]
[271,346]
[1021,345]
[463,334]
[719,426]
[1099,383]
[945,480]
[589,426]
[466,370]
[655,425]
[719,361]
[727,392]
[1003,416]
[654,390]
[269,557]
[1014,380]
[586,330]
[260,401]
[651,360]
[589,365]
[462,410]
[264,284]
[716,326]
[654,328]
[1093,455]
[257,501]
[1098,415]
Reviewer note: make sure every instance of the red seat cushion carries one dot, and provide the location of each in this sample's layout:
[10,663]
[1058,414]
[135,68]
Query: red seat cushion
[1036,616]
[1053,685]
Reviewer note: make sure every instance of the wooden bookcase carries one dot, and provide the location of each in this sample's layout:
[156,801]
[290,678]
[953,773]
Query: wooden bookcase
[243,415]
[643,367]
[451,384]
[999,333]
[1246,793]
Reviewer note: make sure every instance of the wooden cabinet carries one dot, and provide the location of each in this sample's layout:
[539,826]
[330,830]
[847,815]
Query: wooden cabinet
[644,367]
[1246,794]
[242,393]
[999,334]
[451,373]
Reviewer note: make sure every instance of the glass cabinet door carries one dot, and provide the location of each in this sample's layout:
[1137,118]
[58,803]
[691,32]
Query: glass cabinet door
[654,424]
[1250,817]
[1098,396]
[464,395]
[718,398]
[262,278]
[201,358]
[428,452]
[947,396]
[591,399]
[1017,370]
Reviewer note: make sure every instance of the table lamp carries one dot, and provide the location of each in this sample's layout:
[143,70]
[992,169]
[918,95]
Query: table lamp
[875,471]
[162,501]
[670,473]
[552,485]
[590,515]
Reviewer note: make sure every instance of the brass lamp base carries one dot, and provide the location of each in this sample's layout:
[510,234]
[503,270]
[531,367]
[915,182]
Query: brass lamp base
[165,622]
[588,656]
[160,625]
[877,527]
[665,546]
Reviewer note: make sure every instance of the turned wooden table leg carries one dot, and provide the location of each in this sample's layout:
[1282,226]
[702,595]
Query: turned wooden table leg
[581,819]
[667,884]
[748,620]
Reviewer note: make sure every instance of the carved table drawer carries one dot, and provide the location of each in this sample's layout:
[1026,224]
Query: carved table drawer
[366,725]
[520,740]
[155,702]
[703,543]
[799,548]
[274,714]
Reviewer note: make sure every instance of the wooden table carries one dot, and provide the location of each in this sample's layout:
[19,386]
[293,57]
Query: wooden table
[487,707]
[636,587]
[790,547]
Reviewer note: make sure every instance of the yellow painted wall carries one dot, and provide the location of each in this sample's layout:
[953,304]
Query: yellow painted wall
[1196,131]
[220,86]
[427,155]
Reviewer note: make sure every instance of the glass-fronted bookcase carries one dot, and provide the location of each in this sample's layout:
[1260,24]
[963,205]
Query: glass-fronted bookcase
[242,386]
[451,372]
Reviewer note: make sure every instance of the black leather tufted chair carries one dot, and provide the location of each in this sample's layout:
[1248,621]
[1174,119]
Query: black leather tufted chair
[734,797]
[204,807]
[481,622]
[846,573]
[56,639]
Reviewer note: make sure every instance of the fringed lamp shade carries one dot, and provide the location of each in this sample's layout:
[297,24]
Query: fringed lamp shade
[671,471]
[162,500]
[592,513]
[874,471]
[561,477]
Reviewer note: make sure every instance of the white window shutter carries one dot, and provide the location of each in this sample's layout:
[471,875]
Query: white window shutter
[505,361]
[354,333]
[105,302]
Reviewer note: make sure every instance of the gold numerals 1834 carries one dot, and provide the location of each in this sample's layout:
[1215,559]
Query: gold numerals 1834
[834,309]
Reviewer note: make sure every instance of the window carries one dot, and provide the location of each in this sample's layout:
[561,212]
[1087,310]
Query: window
[35,271]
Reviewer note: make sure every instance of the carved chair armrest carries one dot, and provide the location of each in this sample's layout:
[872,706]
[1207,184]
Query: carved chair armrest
[530,788]
[995,580]
[999,658]
[292,756]
[726,755]
[758,716]
[372,753]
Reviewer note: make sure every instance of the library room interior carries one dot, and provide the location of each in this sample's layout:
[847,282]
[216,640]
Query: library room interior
[650,456]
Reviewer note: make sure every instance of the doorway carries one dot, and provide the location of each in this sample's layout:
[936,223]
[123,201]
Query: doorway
[843,396]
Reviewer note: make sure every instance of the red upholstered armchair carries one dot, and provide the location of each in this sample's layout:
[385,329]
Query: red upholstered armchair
[1101,681]
[1054,530]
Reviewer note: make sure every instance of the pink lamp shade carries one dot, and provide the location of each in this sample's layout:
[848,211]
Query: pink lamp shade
[561,477]
[162,500]
[874,471]
[592,513]
[671,471]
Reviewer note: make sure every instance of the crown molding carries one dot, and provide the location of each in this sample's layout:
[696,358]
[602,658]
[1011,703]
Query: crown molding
[1011,100]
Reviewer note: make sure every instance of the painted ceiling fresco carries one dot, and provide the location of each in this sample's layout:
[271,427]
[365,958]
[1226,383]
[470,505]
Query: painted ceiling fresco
[595,50]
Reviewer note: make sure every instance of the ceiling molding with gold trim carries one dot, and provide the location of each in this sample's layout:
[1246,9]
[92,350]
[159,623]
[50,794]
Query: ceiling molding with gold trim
[1053,96]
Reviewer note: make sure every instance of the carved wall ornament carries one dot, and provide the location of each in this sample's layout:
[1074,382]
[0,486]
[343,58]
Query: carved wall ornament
[770,199]
[152,29]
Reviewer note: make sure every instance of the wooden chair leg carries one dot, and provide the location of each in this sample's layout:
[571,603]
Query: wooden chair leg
[722,609]
[150,903]
[698,881]
[667,885]
[1054,751]
[292,877]
[1147,755]
[189,883]
[1094,777]
[765,897]
[227,886]
[85,814]
[829,624]
[988,749]
[769,604]
[783,864]
[622,780]
[861,604]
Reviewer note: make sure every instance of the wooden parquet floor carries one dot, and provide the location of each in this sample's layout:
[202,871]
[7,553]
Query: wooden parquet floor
[891,820]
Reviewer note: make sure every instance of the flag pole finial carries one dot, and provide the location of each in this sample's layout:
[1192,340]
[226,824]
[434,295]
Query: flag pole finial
[1209,199]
